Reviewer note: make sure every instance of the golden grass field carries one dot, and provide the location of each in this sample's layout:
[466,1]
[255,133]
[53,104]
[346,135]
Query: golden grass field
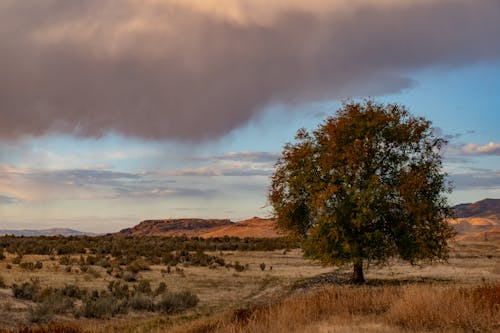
[296,295]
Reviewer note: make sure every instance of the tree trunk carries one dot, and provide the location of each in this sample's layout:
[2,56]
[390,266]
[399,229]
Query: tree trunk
[358,277]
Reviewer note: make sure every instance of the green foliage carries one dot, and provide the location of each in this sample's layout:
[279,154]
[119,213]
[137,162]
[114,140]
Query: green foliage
[132,248]
[367,184]
[177,302]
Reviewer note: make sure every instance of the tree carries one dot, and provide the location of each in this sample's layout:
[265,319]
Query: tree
[365,186]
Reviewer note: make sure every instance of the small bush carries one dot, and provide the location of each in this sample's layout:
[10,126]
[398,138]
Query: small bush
[40,313]
[17,259]
[162,288]
[27,290]
[73,291]
[262,266]
[138,265]
[118,289]
[238,267]
[140,302]
[129,276]
[144,287]
[29,266]
[176,302]
[2,282]
[102,307]
[65,260]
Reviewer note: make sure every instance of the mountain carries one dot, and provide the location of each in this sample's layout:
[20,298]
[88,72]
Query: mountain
[478,221]
[254,227]
[174,227]
[483,208]
[46,232]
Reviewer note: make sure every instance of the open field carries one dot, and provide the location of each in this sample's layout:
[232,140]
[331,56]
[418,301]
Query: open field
[295,295]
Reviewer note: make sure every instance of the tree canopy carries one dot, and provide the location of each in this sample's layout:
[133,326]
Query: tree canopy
[366,185]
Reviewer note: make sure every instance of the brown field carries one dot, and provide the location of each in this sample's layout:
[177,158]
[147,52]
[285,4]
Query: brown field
[296,295]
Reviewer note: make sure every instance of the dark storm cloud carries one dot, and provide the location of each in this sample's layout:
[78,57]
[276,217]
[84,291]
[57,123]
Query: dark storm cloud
[160,70]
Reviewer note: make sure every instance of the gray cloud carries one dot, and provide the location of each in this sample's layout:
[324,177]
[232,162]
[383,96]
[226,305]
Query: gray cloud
[243,156]
[476,179]
[91,184]
[8,200]
[164,70]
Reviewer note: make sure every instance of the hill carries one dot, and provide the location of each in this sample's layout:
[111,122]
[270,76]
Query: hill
[45,232]
[254,227]
[478,221]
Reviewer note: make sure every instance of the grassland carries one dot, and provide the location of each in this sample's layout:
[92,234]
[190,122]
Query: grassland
[290,294]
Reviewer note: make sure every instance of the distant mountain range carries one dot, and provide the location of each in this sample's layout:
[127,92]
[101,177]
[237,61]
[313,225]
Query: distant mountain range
[46,232]
[478,221]
[254,227]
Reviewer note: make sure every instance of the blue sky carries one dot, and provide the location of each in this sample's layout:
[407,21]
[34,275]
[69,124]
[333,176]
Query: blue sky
[134,145]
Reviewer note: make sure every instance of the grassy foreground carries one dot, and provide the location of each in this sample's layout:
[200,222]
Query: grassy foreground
[294,295]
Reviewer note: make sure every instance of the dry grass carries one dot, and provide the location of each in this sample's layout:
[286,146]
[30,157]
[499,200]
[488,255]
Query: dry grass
[459,296]
[419,308]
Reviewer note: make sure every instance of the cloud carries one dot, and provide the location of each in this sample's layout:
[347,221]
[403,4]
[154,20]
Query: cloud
[192,70]
[243,156]
[7,200]
[42,185]
[471,149]
[242,164]
[491,148]
[476,179]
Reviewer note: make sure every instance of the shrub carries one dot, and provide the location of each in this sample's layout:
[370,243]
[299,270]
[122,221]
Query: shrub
[70,290]
[140,302]
[176,302]
[102,307]
[38,264]
[238,267]
[2,282]
[143,286]
[40,313]
[118,289]
[2,255]
[65,260]
[17,259]
[262,266]
[162,287]
[29,266]
[138,265]
[27,290]
[129,276]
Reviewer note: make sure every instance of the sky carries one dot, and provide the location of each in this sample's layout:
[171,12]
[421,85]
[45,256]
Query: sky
[116,111]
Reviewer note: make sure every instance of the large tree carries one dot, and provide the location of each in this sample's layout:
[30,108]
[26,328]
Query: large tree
[365,186]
